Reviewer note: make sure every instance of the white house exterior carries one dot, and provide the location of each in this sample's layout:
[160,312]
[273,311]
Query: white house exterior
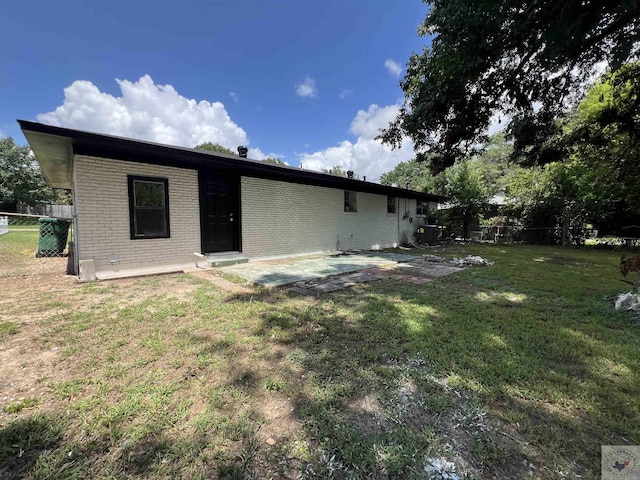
[148,208]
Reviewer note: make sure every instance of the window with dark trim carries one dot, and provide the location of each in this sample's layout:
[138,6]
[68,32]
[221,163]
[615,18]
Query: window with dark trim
[391,204]
[422,207]
[148,207]
[350,201]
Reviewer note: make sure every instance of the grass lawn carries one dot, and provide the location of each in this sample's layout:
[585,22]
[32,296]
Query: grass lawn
[519,370]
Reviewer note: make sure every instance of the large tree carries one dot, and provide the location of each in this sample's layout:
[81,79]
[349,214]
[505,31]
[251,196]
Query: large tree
[604,134]
[493,164]
[468,196]
[525,59]
[554,202]
[21,179]
[412,174]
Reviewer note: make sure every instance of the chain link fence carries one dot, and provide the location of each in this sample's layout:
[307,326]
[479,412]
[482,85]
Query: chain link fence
[628,238]
[54,236]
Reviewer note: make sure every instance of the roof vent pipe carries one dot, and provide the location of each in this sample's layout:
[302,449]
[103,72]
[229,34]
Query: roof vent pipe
[242,151]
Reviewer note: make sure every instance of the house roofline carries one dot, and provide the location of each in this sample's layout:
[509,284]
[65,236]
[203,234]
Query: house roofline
[55,147]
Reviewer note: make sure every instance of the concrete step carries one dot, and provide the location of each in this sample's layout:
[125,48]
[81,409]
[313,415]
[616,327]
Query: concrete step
[223,259]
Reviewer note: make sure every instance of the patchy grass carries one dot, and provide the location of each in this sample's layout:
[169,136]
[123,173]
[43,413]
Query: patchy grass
[518,370]
[21,404]
[16,247]
[8,328]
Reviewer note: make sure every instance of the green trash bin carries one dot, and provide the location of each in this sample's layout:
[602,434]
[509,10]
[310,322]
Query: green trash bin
[53,236]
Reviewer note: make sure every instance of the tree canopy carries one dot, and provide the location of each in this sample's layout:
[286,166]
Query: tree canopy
[604,134]
[468,195]
[21,179]
[215,147]
[593,180]
[274,161]
[412,174]
[337,171]
[527,60]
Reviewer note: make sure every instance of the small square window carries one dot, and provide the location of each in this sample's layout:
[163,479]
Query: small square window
[422,207]
[350,201]
[391,204]
[148,207]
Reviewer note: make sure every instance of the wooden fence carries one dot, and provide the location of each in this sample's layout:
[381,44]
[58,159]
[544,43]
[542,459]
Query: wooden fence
[55,211]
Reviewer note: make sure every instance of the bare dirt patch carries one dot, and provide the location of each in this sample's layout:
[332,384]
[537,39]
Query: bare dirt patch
[37,290]
[25,295]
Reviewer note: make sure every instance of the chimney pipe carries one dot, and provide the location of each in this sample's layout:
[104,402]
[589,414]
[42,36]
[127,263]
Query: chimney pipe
[242,151]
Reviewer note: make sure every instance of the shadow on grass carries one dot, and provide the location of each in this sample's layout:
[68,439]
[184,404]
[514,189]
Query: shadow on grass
[23,441]
[35,447]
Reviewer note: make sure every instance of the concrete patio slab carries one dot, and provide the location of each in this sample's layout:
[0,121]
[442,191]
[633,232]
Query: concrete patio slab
[416,272]
[273,274]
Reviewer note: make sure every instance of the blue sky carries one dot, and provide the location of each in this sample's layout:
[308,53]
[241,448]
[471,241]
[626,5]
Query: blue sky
[310,82]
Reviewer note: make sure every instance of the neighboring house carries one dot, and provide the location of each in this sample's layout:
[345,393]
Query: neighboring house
[143,207]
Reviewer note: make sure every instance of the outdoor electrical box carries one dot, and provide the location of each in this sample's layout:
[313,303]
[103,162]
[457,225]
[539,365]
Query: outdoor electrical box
[427,234]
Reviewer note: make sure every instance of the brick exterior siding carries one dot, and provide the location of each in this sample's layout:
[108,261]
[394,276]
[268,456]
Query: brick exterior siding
[102,206]
[280,219]
[277,218]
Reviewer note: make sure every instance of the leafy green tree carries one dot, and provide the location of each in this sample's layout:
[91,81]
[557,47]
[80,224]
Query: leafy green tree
[215,147]
[412,174]
[555,201]
[468,195]
[21,179]
[337,171]
[596,182]
[525,59]
[494,163]
[274,161]
[604,134]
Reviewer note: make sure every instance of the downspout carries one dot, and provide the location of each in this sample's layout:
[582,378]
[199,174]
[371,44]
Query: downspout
[74,216]
[398,218]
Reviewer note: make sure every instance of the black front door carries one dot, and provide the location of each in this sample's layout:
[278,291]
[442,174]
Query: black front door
[219,219]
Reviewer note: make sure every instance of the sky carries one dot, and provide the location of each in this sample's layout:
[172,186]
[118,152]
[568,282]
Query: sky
[310,83]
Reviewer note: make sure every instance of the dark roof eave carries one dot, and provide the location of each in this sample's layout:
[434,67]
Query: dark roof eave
[54,143]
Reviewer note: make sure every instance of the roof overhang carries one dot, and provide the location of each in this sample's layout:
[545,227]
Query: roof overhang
[55,147]
[54,154]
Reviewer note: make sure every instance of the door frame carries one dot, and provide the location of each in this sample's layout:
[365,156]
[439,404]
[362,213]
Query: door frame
[234,182]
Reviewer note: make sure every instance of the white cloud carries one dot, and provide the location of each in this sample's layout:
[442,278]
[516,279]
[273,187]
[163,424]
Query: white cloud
[234,96]
[307,88]
[2,135]
[146,111]
[344,94]
[393,67]
[366,157]
[256,154]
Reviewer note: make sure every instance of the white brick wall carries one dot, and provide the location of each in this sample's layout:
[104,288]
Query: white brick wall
[277,218]
[102,205]
[280,218]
